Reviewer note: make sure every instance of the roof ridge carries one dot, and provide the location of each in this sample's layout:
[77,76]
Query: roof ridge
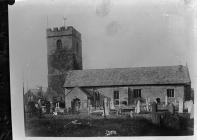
[129,67]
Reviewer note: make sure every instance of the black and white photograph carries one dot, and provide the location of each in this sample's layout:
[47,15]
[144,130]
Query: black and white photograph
[102,68]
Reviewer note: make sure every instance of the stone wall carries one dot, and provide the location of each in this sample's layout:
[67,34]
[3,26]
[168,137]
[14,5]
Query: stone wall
[151,92]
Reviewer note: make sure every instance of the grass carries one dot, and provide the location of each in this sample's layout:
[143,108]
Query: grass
[61,127]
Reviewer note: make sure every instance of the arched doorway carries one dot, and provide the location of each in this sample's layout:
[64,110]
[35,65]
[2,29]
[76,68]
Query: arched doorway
[75,105]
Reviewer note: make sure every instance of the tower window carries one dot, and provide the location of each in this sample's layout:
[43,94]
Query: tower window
[59,44]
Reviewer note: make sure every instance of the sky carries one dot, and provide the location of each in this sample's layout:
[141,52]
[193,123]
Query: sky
[115,34]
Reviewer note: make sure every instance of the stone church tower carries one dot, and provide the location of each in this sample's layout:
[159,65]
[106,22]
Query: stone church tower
[64,52]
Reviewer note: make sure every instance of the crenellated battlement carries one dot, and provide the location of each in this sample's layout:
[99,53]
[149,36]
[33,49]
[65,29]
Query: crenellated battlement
[60,29]
[63,31]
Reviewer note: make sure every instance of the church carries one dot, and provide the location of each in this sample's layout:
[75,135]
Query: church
[121,87]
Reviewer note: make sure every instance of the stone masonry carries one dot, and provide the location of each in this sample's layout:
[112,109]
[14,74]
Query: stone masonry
[64,52]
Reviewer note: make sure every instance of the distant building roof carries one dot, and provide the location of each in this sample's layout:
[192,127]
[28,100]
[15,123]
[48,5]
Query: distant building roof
[127,76]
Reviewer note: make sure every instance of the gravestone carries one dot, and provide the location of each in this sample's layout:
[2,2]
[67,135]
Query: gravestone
[180,105]
[106,107]
[39,102]
[112,105]
[190,108]
[189,105]
[154,107]
[192,112]
[135,109]
[154,115]
[171,108]
[147,104]
[131,114]
[89,107]
[138,107]
[166,100]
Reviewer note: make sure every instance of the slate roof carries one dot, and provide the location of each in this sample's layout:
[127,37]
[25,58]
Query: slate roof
[127,76]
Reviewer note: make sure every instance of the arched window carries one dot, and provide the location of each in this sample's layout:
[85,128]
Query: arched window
[59,44]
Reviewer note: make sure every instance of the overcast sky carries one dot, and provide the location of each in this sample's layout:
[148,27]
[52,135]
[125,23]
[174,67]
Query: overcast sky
[115,34]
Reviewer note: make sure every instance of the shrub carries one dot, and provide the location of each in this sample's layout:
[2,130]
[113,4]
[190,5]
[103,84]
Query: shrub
[171,121]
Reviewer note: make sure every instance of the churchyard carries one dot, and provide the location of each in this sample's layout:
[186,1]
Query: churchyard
[142,120]
[59,126]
